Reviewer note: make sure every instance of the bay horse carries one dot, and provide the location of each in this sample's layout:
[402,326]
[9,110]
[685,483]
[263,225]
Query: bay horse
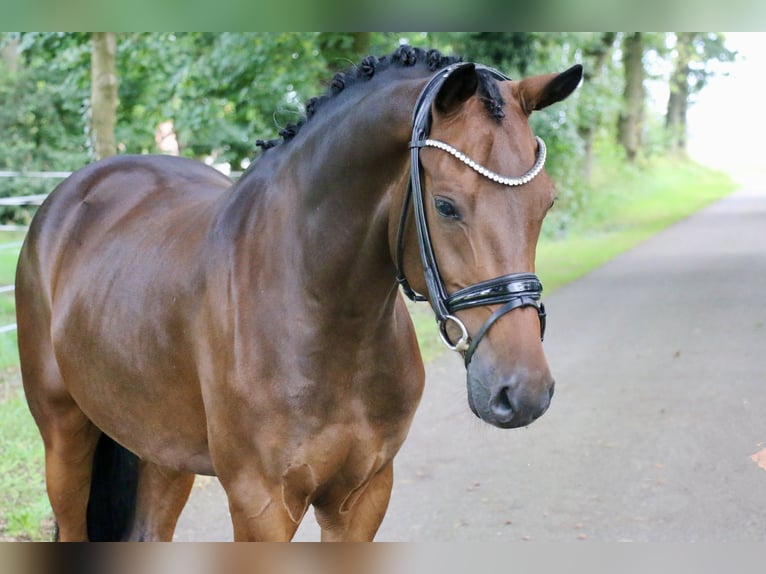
[171,323]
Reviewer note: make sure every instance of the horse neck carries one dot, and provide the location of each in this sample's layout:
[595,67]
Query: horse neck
[356,170]
[335,183]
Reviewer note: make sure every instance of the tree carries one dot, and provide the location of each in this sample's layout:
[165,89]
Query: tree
[43,84]
[220,92]
[243,87]
[9,53]
[631,120]
[43,111]
[343,49]
[694,55]
[596,53]
[515,52]
[103,101]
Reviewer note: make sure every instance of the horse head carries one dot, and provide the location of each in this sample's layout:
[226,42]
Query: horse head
[483,199]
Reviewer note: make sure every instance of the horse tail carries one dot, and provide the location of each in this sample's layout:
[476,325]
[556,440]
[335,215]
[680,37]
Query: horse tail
[113,490]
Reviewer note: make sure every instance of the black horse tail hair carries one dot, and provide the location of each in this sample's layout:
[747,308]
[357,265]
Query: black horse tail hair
[113,489]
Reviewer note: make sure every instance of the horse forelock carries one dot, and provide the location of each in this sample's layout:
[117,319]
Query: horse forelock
[403,57]
[490,95]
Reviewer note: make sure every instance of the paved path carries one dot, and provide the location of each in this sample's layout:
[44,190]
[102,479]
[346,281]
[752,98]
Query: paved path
[660,358]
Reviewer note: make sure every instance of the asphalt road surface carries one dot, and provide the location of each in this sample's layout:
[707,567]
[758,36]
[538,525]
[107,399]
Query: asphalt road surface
[657,427]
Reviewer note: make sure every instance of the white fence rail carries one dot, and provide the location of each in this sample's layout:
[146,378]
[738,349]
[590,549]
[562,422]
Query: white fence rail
[36,174]
[22,200]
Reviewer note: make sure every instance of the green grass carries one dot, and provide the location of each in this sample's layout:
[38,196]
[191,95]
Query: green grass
[427,331]
[24,508]
[625,206]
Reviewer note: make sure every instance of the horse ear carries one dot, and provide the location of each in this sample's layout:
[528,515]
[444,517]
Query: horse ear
[538,92]
[460,85]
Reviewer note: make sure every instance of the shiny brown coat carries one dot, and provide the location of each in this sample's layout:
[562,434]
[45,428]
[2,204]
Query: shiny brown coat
[254,331]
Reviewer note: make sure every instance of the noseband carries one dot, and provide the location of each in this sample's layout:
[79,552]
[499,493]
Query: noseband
[510,291]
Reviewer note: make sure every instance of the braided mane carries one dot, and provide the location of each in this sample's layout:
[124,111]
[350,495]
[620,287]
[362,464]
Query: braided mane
[404,56]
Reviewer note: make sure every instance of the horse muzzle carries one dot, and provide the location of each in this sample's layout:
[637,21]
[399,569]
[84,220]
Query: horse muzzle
[508,401]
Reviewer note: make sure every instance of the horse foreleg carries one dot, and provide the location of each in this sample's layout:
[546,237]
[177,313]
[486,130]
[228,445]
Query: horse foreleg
[162,495]
[356,516]
[261,511]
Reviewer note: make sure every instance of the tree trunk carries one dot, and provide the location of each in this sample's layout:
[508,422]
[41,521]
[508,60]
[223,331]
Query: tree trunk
[103,111]
[596,55]
[675,120]
[10,55]
[630,125]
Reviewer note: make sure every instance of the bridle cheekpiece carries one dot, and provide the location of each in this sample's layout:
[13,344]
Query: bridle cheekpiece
[510,291]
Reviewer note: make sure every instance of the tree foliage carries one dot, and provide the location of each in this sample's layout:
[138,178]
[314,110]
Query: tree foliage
[693,57]
[220,92]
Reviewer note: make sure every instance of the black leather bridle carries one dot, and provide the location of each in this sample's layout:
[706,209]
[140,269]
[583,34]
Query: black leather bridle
[510,291]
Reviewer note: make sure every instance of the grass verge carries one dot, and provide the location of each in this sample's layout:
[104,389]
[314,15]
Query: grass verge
[627,206]
[24,507]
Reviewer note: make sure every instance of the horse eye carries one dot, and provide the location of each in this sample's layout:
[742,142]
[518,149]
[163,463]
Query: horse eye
[446,209]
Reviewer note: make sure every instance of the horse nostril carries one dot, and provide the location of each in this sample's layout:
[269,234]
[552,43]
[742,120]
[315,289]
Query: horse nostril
[501,405]
[511,407]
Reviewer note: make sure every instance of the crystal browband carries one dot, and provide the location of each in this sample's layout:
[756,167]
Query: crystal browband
[496,177]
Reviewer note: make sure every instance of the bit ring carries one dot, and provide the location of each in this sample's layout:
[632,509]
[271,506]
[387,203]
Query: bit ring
[463,343]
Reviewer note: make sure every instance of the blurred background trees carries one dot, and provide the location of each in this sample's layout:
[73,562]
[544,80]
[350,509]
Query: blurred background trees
[69,98]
